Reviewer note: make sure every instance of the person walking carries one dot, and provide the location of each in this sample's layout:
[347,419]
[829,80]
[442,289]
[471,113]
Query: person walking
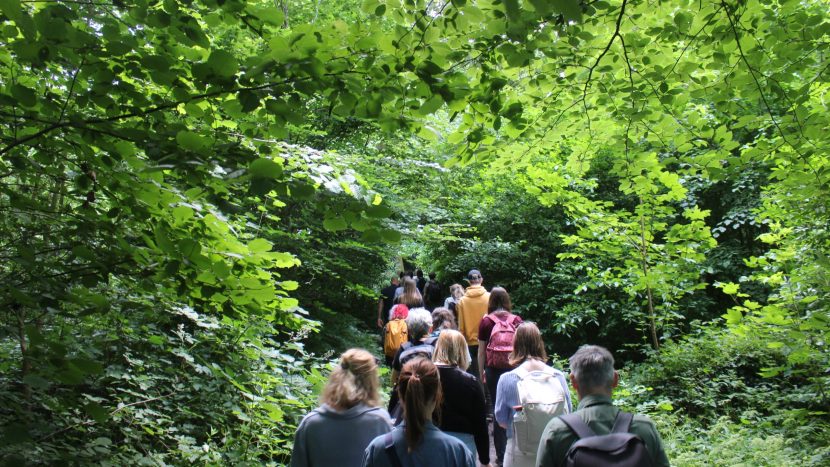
[470,309]
[410,295]
[594,378]
[417,442]
[495,343]
[463,410]
[456,292]
[349,413]
[528,397]
[442,319]
[386,300]
[432,293]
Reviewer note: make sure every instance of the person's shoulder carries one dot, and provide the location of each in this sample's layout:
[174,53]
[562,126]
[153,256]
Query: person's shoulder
[642,423]
[378,413]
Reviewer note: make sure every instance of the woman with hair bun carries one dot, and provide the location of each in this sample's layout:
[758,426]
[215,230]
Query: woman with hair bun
[417,442]
[349,415]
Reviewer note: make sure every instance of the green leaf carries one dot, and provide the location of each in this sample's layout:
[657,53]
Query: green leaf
[24,95]
[431,105]
[265,168]
[380,10]
[12,9]
[192,141]
[222,63]
[334,223]
[379,212]
[390,235]
[569,9]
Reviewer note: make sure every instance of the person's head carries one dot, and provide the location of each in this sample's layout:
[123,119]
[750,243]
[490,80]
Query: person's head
[457,291]
[419,273]
[418,323]
[499,300]
[410,295]
[432,276]
[400,311]
[527,343]
[395,280]
[400,275]
[451,349]
[592,371]
[408,274]
[353,381]
[419,388]
[474,277]
[442,318]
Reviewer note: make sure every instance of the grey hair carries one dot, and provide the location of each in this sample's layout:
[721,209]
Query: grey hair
[593,367]
[418,323]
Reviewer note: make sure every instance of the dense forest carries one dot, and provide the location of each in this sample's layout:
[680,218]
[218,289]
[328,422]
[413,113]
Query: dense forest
[200,199]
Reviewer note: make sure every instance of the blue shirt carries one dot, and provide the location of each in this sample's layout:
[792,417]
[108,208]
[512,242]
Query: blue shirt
[437,449]
[350,430]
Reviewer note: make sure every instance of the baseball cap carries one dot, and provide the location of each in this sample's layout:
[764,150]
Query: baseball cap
[474,274]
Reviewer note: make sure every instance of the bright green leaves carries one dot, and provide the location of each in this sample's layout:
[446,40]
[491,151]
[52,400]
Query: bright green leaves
[431,105]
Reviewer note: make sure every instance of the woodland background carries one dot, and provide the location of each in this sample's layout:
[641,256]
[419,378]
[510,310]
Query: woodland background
[199,200]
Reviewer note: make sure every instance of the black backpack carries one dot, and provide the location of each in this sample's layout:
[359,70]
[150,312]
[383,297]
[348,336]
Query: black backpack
[423,349]
[618,448]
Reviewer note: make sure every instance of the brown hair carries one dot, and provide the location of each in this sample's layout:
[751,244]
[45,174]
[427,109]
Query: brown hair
[527,344]
[451,349]
[499,300]
[457,291]
[353,381]
[410,296]
[442,318]
[419,384]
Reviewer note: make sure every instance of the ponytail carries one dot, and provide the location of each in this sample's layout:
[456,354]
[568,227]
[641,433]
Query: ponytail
[419,385]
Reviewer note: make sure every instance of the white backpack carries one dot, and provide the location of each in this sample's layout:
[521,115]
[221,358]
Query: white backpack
[543,398]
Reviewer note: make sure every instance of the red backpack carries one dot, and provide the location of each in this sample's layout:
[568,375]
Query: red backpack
[500,343]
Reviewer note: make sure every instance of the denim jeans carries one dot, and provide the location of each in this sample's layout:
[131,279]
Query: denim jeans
[499,434]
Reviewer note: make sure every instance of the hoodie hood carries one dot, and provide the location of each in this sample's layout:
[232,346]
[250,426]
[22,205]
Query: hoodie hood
[354,412]
[475,291]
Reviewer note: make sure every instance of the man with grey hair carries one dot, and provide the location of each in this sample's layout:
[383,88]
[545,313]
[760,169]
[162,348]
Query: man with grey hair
[594,378]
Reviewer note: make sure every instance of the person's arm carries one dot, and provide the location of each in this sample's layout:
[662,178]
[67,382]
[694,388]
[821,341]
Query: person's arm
[482,349]
[380,312]
[507,396]
[546,455]
[479,416]
[299,455]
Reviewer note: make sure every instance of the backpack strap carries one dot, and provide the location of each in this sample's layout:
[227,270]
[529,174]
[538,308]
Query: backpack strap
[575,423]
[389,447]
[622,423]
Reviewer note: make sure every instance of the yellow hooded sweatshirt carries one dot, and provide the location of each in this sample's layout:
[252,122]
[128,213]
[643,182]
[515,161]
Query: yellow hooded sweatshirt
[471,308]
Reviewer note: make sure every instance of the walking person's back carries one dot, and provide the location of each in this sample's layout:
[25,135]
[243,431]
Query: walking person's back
[594,378]
[349,414]
[470,309]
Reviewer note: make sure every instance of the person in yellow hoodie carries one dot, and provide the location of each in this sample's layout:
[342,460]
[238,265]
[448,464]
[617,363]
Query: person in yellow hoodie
[471,308]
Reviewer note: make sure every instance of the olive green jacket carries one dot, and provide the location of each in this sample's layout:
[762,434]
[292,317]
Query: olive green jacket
[598,413]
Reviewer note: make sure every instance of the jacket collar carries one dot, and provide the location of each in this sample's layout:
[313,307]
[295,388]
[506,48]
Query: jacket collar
[594,399]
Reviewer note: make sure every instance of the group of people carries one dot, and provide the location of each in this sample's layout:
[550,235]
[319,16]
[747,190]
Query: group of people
[457,369]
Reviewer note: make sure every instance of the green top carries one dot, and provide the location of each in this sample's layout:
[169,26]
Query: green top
[598,413]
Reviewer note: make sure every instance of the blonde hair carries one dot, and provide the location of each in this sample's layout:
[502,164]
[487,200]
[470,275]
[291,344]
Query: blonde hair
[353,381]
[451,349]
[527,343]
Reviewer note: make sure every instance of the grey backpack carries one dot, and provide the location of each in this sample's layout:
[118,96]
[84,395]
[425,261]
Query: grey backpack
[618,448]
